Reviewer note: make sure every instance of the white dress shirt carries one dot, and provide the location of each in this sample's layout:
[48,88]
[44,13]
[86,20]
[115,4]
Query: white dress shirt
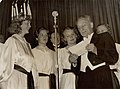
[80,49]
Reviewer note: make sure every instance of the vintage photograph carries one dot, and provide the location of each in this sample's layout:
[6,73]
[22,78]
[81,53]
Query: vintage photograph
[59,44]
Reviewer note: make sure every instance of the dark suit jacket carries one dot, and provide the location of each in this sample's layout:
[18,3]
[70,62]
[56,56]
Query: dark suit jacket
[106,50]
[100,78]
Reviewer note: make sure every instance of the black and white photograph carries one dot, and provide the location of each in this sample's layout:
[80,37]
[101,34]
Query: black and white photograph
[59,44]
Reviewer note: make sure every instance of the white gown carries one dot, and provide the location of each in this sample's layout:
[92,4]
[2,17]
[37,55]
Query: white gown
[67,80]
[17,51]
[117,65]
[44,62]
[2,84]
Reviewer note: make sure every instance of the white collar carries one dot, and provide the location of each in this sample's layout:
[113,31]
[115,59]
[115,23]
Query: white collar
[45,48]
[57,45]
[22,39]
[89,36]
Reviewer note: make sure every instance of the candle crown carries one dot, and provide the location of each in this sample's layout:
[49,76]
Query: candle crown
[21,12]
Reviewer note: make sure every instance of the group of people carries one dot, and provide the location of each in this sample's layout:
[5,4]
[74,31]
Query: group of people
[83,64]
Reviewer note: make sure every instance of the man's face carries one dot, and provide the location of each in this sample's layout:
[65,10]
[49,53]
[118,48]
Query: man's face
[53,38]
[84,27]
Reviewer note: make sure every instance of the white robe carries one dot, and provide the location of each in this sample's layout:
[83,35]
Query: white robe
[67,80]
[44,62]
[117,65]
[2,84]
[17,51]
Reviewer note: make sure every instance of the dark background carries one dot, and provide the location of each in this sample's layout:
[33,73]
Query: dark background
[102,11]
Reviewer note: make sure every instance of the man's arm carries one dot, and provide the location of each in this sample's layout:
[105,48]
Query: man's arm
[107,53]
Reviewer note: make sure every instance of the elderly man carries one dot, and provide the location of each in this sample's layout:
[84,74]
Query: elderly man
[95,60]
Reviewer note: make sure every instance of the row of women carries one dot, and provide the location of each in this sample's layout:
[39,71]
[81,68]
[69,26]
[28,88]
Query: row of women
[26,68]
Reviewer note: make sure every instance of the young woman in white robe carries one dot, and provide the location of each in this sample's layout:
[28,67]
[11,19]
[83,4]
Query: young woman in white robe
[67,80]
[17,53]
[43,59]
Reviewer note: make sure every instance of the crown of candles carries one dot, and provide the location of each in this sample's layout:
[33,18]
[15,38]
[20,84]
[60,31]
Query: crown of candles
[25,11]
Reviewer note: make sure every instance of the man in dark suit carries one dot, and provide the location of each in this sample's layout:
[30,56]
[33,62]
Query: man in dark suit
[94,71]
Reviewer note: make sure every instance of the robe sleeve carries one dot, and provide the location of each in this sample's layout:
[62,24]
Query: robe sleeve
[117,65]
[35,74]
[7,59]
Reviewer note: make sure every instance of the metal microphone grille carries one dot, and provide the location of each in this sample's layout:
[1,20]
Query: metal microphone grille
[54,13]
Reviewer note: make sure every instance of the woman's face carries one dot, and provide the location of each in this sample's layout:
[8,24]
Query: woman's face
[53,38]
[25,26]
[43,37]
[70,37]
[101,29]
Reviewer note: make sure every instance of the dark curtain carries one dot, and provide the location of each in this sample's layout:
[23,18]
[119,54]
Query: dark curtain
[69,11]
[5,15]
[108,11]
[102,11]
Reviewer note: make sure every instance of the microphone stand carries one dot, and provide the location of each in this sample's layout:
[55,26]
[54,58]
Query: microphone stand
[56,48]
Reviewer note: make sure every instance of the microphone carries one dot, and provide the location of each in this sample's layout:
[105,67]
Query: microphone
[54,13]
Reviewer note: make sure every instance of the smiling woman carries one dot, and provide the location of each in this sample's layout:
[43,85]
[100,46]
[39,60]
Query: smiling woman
[20,63]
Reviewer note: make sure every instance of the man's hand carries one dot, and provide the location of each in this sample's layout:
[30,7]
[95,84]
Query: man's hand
[91,47]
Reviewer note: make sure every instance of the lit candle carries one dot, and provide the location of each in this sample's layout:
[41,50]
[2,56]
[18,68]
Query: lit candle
[21,9]
[24,9]
[12,12]
[16,9]
[28,9]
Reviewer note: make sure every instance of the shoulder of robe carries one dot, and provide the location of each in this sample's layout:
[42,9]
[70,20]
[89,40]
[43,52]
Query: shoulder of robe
[9,41]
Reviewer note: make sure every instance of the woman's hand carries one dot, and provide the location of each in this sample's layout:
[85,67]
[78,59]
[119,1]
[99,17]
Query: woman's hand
[73,58]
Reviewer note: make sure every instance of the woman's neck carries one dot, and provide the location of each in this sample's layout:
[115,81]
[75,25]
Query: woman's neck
[41,45]
[21,35]
[69,45]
